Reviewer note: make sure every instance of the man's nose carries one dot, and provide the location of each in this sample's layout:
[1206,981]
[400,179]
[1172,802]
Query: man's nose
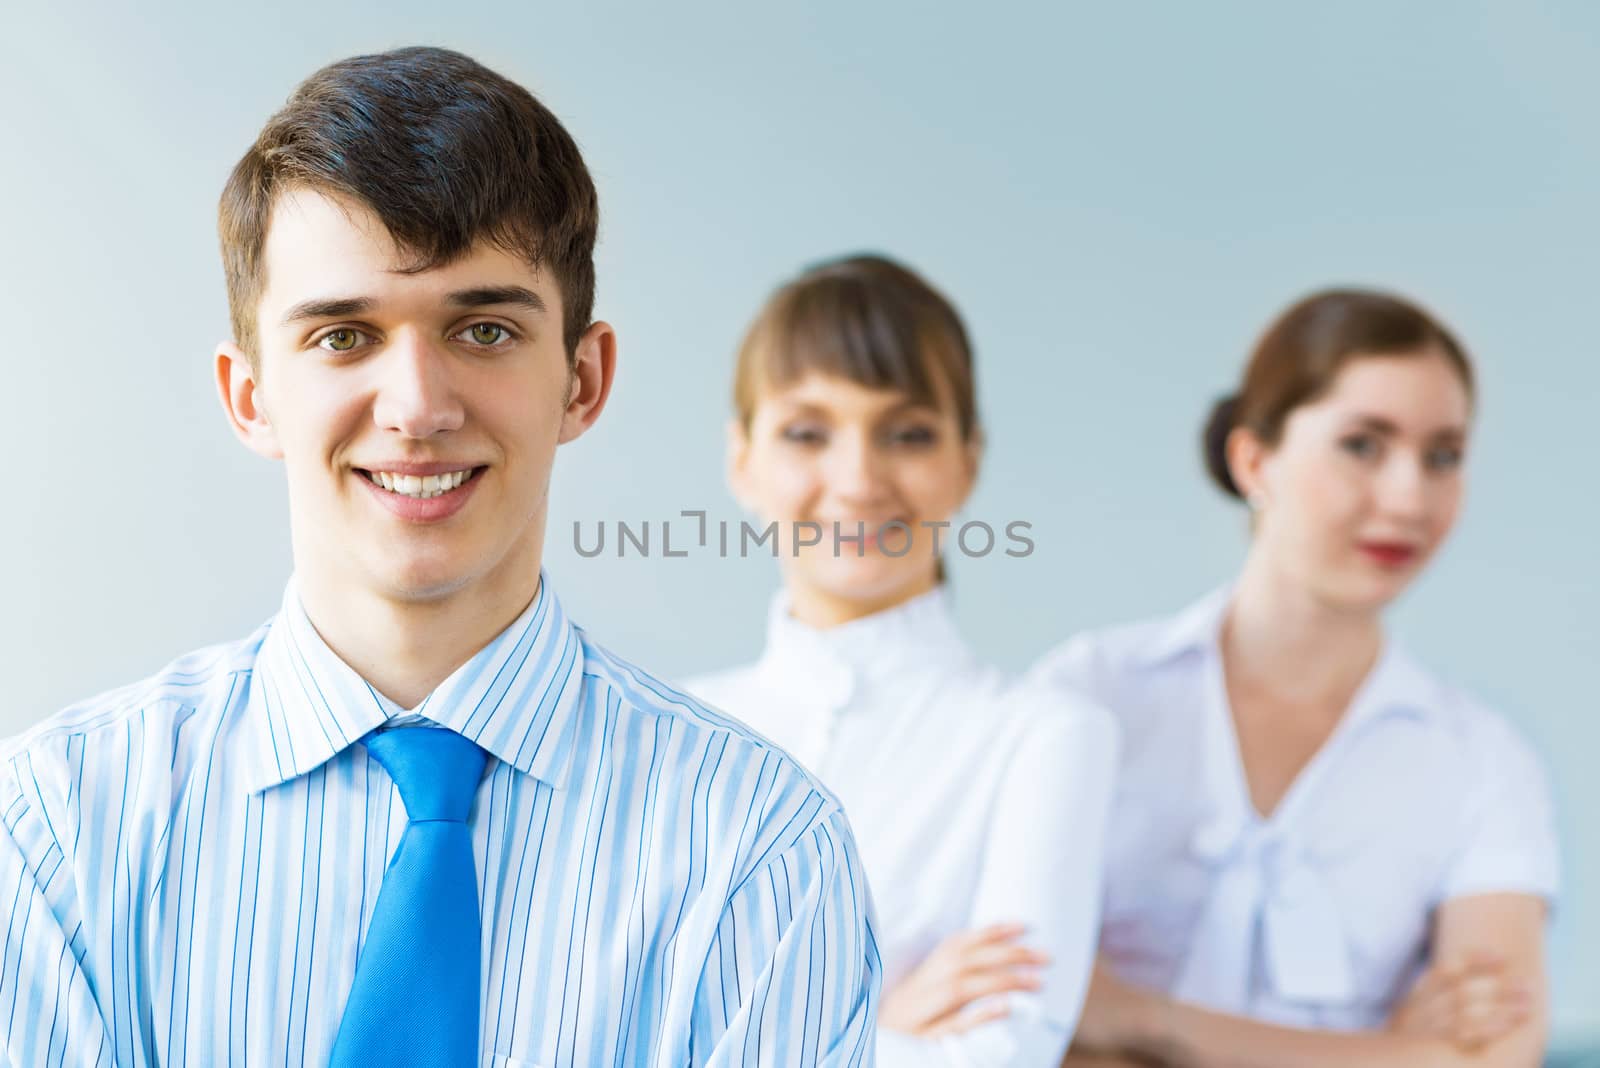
[416,395]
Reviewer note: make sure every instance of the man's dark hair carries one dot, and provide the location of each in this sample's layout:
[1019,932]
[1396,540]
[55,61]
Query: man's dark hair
[445,151]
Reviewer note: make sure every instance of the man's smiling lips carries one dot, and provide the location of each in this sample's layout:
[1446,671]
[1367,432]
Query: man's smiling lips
[421,492]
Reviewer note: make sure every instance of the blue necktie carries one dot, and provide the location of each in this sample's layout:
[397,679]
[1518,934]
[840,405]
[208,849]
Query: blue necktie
[415,997]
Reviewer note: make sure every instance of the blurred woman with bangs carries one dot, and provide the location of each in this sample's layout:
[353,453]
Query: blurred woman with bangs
[979,804]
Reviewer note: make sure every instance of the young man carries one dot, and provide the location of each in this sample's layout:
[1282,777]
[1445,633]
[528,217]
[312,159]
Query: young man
[419,817]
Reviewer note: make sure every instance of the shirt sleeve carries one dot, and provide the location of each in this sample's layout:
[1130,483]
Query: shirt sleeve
[1509,841]
[1042,868]
[793,975]
[48,1013]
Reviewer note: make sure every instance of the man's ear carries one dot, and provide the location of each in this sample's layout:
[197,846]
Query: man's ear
[594,370]
[241,401]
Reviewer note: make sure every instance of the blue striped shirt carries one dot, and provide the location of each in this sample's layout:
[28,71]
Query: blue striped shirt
[188,865]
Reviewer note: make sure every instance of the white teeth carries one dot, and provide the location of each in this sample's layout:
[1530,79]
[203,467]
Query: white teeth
[421,487]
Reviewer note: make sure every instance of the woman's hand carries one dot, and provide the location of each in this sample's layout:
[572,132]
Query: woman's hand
[1469,1003]
[942,995]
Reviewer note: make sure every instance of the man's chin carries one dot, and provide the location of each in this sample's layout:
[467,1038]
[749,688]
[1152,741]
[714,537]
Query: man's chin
[423,581]
[430,578]
[424,593]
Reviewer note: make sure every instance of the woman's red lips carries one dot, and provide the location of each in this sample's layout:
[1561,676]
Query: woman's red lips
[1389,553]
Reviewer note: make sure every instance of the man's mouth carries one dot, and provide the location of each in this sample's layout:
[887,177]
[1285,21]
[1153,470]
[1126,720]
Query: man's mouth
[420,487]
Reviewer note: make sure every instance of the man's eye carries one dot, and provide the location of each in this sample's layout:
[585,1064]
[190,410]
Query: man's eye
[487,333]
[342,340]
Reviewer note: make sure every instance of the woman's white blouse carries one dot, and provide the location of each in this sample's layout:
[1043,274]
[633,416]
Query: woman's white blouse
[1320,915]
[974,800]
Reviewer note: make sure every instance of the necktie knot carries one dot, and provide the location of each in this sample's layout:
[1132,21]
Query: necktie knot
[435,770]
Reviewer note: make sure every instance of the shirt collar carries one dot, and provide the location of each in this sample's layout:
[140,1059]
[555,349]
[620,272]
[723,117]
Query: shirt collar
[837,662]
[1395,685]
[516,697]
[1196,629]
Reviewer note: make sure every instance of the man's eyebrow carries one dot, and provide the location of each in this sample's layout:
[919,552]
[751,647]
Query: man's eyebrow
[327,308]
[482,296]
[476,297]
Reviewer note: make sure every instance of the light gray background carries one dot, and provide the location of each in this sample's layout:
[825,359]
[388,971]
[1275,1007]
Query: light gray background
[1118,197]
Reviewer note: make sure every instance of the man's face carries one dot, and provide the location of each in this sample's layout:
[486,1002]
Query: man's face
[417,414]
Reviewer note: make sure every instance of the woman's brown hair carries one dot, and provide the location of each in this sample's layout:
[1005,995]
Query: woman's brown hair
[1303,351]
[869,320]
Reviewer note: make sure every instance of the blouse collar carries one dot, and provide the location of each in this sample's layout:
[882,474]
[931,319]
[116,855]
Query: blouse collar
[840,662]
[1395,685]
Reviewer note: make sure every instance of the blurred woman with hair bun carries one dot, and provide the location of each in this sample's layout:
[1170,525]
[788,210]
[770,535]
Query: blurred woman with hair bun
[1320,852]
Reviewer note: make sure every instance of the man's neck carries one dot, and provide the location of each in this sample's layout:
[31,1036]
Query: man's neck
[406,648]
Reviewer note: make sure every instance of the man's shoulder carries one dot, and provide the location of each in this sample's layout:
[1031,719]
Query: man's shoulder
[723,689]
[201,678]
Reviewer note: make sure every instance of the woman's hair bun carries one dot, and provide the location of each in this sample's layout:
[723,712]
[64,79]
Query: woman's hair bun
[1214,441]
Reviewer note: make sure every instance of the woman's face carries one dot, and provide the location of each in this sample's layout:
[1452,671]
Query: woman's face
[1366,481]
[827,451]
